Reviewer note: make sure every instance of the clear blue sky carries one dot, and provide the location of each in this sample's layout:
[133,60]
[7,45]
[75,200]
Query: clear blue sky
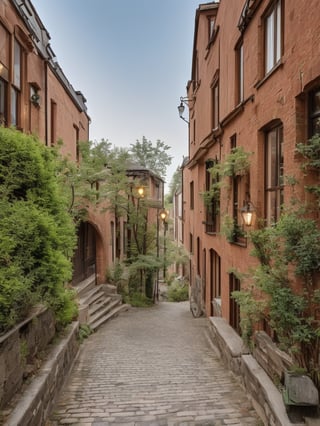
[131,59]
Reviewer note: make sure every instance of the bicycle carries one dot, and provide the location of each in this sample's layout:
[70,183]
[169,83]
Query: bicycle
[196,298]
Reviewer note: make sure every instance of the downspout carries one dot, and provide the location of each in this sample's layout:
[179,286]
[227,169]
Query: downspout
[46,102]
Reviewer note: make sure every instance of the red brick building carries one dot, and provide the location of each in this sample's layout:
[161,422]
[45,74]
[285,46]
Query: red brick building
[255,85]
[36,97]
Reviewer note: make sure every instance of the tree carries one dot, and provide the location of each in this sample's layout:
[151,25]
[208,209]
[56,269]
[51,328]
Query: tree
[154,158]
[101,181]
[175,184]
[37,235]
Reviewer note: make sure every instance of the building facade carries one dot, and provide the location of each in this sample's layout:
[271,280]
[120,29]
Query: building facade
[253,95]
[37,98]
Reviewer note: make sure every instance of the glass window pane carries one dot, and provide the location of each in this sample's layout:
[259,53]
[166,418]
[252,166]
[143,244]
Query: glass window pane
[278,35]
[241,80]
[271,207]
[17,65]
[4,47]
[316,102]
[14,107]
[270,42]
[3,97]
[271,159]
[316,126]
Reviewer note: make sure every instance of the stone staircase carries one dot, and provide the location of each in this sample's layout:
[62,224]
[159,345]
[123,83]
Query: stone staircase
[98,303]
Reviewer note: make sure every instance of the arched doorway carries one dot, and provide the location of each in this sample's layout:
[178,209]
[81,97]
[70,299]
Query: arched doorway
[84,259]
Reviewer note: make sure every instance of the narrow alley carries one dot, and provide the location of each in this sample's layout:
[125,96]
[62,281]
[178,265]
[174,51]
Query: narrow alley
[152,367]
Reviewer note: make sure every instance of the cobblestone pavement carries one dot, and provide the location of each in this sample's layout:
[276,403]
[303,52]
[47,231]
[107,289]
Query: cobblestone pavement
[152,367]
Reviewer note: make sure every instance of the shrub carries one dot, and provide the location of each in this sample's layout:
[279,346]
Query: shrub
[37,235]
[178,292]
[138,300]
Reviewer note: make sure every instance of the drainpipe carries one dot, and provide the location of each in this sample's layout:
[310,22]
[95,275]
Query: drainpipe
[46,102]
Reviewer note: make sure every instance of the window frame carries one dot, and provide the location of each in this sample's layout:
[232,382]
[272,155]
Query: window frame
[234,307]
[239,50]
[192,195]
[213,206]
[313,113]
[274,176]
[273,36]
[215,105]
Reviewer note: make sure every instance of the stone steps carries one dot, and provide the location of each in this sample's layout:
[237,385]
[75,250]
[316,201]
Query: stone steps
[98,303]
[85,285]
[106,314]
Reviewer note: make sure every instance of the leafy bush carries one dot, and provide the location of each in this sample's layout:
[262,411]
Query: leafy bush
[288,252]
[138,300]
[178,292]
[37,235]
[84,332]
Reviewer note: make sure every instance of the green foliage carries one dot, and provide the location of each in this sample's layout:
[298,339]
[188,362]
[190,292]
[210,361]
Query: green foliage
[103,180]
[37,233]
[115,274]
[251,312]
[178,291]
[237,163]
[231,229]
[84,332]
[287,251]
[63,302]
[175,184]
[154,158]
[311,154]
[138,300]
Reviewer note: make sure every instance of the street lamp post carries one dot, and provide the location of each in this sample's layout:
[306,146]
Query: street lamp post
[163,216]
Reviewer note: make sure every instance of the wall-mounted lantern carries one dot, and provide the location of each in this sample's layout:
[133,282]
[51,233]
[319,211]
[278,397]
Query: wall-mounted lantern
[247,212]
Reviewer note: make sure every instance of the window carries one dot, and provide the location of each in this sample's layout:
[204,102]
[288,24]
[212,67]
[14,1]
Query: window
[274,174]
[198,257]
[212,204]
[215,105]
[314,108]
[53,122]
[239,74]
[234,285]
[240,189]
[211,26]
[191,195]
[215,274]
[16,86]
[273,36]
[191,243]
[4,73]
[76,142]
[3,102]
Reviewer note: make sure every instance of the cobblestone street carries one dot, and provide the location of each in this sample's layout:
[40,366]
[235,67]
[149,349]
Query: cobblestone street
[155,367]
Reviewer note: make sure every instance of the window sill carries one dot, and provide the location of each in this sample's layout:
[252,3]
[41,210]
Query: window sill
[240,242]
[267,76]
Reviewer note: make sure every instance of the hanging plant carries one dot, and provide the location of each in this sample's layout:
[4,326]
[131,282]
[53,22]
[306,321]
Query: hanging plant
[237,162]
[232,230]
[213,194]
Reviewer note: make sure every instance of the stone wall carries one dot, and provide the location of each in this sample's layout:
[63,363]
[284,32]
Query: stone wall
[19,349]
[33,349]
[36,403]
[265,396]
